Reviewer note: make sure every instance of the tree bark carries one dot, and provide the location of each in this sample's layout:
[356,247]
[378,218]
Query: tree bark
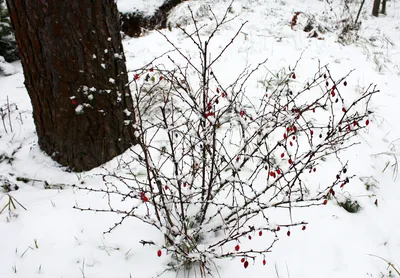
[75,75]
[375,8]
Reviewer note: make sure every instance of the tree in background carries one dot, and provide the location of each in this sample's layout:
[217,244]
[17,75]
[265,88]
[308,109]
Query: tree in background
[375,8]
[76,77]
[8,46]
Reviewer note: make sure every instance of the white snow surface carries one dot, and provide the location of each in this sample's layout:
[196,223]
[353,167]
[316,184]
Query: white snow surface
[51,239]
[147,7]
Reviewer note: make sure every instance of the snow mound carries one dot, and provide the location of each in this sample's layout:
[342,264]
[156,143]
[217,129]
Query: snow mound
[6,68]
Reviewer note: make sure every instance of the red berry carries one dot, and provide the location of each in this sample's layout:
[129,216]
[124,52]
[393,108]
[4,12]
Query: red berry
[345,83]
[288,233]
[313,110]
[264,262]
[272,174]
[242,260]
[312,132]
[294,137]
[294,128]
[282,155]
[325,202]
[161,78]
[303,228]
[355,123]
[333,93]
[136,76]
[290,161]
[278,171]
[166,187]
[260,233]
[246,264]
[367,122]
[217,90]
[315,169]
[151,70]
[250,237]
[159,253]
[324,75]
[332,192]
[294,76]
[237,247]
[278,229]
[284,136]
[73,101]
[184,184]
[291,144]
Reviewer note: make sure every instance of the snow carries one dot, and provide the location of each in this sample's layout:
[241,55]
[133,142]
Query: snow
[51,239]
[6,68]
[147,7]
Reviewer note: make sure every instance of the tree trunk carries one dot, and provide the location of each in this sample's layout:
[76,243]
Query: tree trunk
[375,8]
[76,78]
[383,7]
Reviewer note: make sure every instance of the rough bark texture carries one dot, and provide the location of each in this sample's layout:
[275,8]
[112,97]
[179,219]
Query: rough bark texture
[132,23]
[72,57]
[375,8]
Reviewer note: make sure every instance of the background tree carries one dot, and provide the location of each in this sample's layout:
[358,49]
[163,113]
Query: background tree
[375,8]
[76,77]
[8,46]
[383,11]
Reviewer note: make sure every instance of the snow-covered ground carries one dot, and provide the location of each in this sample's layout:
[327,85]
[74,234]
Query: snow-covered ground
[51,239]
[146,7]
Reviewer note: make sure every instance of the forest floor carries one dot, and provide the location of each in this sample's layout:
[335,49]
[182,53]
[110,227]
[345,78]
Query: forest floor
[43,236]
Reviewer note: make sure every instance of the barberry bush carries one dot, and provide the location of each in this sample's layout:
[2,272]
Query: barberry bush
[213,164]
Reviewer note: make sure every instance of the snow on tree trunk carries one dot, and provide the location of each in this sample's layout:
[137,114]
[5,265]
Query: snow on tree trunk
[76,77]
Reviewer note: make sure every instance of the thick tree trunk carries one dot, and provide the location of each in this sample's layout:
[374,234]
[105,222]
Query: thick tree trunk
[75,74]
[375,8]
